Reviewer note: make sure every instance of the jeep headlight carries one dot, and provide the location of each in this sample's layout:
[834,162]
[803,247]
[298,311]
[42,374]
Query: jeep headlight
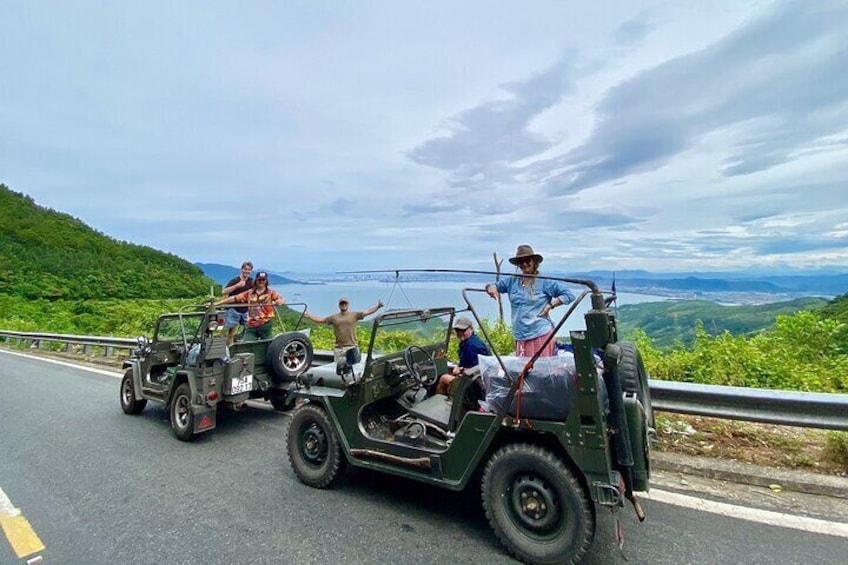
[213,325]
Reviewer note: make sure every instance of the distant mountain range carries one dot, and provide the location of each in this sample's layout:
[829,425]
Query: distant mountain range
[222,274]
[826,284]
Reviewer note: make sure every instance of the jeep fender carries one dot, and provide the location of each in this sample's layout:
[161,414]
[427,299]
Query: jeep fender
[135,365]
[179,378]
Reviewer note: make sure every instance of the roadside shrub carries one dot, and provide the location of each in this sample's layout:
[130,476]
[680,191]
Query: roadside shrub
[803,352]
[501,335]
[836,448]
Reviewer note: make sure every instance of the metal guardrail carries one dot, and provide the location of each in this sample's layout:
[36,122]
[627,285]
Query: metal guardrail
[87,341]
[804,409]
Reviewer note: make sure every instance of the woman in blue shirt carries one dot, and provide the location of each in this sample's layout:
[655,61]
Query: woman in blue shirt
[531,300]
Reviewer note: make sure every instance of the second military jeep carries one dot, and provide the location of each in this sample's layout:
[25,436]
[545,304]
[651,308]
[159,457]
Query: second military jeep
[188,366]
[548,453]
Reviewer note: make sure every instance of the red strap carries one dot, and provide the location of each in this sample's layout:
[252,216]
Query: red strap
[527,368]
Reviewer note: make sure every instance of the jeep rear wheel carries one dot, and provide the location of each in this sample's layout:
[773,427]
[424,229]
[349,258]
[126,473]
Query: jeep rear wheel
[289,355]
[313,447]
[182,418]
[634,377]
[536,506]
[129,404]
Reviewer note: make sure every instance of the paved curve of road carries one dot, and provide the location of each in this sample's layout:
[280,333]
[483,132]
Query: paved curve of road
[100,487]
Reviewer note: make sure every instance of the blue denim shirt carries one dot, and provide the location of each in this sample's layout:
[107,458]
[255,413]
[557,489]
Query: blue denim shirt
[526,323]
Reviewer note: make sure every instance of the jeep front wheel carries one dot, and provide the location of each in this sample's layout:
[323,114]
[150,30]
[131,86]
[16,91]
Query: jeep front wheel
[129,404]
[182,418]
[313,447]
[536,506]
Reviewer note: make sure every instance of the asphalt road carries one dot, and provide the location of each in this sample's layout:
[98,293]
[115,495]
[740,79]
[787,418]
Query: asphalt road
[100,487]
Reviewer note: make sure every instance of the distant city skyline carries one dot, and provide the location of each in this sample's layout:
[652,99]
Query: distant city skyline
[333,136]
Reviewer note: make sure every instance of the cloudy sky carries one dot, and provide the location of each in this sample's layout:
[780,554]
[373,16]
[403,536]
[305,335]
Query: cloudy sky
[323,136]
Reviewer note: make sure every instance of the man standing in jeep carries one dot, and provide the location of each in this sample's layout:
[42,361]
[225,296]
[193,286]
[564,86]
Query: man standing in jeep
[260,312]
[344,326]
[236,317]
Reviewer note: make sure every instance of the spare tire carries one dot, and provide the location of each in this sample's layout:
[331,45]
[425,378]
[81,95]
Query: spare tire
[289,356]
[634,377]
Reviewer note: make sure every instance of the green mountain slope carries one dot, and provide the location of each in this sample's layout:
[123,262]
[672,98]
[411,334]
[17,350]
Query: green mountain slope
[674,320]
[48,254]
[837,309]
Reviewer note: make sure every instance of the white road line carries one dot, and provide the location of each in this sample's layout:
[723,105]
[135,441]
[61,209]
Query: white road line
[768,517]
[65,364]
[6,506]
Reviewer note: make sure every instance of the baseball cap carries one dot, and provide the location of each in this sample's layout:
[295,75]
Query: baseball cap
[462,323]
[262,275]
[344,299]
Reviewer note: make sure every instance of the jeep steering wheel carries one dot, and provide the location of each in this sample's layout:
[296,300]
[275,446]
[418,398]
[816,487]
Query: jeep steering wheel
[423,371]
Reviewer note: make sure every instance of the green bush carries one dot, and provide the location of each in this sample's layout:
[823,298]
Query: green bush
[802,352]
[836,448]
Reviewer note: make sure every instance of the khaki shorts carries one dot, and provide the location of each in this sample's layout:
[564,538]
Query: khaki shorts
[339,353]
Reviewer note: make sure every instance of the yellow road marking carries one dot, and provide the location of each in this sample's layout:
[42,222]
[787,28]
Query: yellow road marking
[20,534]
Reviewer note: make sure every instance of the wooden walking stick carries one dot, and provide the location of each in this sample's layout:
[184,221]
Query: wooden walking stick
[497,278]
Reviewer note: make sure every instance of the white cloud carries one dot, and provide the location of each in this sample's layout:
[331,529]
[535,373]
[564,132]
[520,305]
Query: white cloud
[332,136]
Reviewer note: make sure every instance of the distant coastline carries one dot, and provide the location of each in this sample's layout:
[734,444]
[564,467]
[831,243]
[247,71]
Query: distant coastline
[731,288]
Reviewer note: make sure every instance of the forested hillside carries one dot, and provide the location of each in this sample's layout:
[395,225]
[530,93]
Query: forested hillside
[837,309]
[51,255]
[672,321]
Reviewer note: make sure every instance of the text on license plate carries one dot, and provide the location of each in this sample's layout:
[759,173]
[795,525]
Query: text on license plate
[241,384]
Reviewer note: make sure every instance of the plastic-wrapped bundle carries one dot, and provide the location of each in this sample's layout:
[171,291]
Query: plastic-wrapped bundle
[546,393]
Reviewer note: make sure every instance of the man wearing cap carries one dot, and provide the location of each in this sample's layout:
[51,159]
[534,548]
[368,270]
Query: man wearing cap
[260,302]
[236,317]
[470,346]
[531,299]
[344,326]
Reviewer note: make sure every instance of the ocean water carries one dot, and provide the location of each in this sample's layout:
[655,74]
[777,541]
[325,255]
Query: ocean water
[322,300]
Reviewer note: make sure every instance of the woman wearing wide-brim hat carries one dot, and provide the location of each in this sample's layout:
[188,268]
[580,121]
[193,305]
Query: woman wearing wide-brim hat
[531,299]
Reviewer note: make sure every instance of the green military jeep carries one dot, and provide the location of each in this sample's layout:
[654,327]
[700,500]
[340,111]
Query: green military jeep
[550,447]
[188,366]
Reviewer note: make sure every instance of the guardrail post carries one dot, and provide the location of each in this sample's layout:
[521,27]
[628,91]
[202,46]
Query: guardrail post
[86,349]
[68,348]
[36,344]
[109,351]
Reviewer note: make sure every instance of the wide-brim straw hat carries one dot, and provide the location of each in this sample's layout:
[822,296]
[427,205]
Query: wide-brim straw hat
[523,252]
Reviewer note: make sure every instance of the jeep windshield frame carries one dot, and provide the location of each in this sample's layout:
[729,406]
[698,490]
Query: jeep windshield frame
[180,318]
[407,319]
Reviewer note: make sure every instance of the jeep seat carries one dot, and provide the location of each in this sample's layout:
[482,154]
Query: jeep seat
[435,409]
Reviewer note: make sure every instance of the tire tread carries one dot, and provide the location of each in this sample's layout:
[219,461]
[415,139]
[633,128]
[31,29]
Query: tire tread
[545,456]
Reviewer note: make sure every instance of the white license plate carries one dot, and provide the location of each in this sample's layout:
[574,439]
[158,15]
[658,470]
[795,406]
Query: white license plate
[241,384]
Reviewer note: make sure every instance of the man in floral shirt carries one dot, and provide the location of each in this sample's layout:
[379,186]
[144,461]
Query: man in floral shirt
[260,302]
